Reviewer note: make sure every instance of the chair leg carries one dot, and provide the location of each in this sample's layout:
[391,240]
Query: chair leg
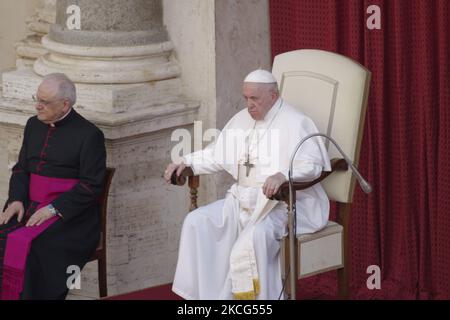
[286,282]
[343,290]
[344,273]
[103,286]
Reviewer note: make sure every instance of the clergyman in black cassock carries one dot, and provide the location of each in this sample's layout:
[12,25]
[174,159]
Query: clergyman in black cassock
[53,197]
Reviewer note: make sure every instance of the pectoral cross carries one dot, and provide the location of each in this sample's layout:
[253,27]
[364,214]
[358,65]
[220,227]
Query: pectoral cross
[248,165]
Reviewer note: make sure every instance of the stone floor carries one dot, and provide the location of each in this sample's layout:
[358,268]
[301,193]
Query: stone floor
[72,296]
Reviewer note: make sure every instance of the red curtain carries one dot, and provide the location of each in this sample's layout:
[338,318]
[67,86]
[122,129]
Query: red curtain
[404,225]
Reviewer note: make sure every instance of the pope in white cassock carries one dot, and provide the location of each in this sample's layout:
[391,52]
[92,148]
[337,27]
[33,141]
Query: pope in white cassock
[230,249]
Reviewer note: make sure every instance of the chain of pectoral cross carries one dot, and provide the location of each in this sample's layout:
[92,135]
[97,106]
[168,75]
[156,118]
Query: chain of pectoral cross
[247,164]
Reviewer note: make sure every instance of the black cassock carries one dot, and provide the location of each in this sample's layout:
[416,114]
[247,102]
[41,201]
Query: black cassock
[73,148]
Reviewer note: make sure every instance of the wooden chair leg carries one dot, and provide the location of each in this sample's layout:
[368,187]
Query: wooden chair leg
[287,283]
[103,286]
[343,291]
[286,279]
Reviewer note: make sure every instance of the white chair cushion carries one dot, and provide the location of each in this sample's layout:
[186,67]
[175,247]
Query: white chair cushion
[320,251]
[317,252]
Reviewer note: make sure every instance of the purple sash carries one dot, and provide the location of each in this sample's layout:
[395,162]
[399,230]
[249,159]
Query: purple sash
[43,190]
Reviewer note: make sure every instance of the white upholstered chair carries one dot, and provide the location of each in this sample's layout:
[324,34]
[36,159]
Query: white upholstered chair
[332,90]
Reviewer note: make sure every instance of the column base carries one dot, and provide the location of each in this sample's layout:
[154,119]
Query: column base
[113,98]
[108,65]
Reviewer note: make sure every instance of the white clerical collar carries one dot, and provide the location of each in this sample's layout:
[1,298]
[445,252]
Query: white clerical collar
[273,111]
[68,112]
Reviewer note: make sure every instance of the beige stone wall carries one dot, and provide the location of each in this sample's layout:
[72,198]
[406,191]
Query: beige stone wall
[10,142]
[242,45]
[144,221]
[13,14]
[191,27]
[190,24]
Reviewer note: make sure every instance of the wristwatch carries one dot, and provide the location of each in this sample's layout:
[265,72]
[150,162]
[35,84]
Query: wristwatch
[52,210]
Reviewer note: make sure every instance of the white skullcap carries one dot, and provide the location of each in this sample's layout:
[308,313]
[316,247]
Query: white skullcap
[260,76]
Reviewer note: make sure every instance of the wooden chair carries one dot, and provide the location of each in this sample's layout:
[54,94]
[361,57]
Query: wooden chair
[100,252]
[332,90]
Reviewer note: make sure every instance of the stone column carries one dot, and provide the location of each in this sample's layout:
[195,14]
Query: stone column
[128,84]
[120,48]
[118,42]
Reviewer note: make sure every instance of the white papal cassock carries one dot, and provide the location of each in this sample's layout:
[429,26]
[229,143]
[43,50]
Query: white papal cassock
[230,248]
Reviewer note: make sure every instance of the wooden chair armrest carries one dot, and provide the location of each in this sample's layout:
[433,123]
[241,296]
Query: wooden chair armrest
[181,180]
[283,193]
[194,183]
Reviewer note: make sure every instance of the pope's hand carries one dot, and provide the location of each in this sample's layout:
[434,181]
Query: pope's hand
[39,217]
[171,168]
[14,208]
[273,183]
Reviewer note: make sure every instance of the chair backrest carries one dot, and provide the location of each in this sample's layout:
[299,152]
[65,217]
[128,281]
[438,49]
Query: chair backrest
[103,200]
[332,90]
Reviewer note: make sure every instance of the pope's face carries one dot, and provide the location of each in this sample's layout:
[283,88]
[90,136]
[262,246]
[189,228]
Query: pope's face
[48,105]
[259,99]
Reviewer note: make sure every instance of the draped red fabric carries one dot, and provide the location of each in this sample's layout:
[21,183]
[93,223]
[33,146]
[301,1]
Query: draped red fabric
[404,225]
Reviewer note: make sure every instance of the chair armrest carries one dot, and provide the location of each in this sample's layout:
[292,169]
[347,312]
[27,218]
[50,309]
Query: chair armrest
[283,193]
[194,183]
[181,179]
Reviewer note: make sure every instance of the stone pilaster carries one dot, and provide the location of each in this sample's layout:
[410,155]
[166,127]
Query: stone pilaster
[30,48]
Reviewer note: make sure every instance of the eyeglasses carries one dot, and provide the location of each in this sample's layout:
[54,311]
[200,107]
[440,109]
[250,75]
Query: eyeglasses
[43,102]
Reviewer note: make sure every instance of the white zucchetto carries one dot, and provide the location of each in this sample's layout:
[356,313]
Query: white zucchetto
[260,76]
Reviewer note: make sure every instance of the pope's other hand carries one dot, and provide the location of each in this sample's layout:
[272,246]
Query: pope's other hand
[273,183]
[171,168]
